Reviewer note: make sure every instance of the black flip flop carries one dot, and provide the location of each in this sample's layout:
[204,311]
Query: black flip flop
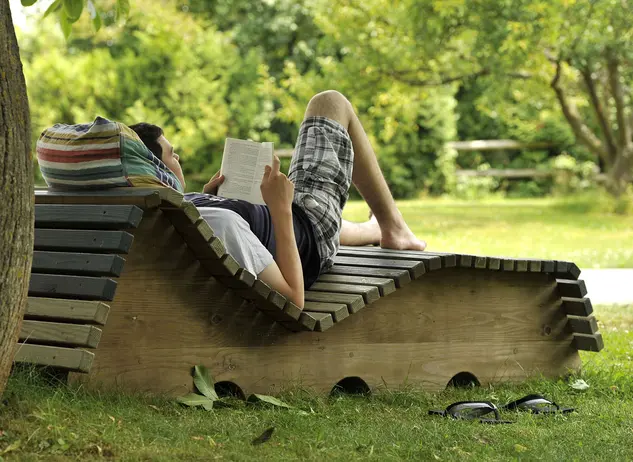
[537,404]
[471,410]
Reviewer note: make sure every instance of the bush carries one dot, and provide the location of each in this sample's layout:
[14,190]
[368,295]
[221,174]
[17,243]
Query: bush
[571,175]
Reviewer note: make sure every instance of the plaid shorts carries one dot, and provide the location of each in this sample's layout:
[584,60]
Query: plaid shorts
[321,170]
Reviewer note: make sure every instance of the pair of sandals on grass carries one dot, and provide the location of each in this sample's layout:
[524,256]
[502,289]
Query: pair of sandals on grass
[471,410]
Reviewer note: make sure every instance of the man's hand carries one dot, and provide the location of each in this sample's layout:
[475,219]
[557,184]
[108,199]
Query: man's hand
[212,186]
[277,190]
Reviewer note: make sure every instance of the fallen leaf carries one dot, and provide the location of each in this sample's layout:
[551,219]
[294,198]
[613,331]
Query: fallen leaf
[112,418]
[204,382]
[579,384]
[255,398]
[195,400]
[197,438]
[154,407]
[263,437]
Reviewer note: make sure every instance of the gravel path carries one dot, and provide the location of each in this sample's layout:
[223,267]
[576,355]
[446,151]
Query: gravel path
[609,286]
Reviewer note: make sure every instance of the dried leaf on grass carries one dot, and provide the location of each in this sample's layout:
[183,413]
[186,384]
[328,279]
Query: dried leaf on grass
[579,384]
[255,398]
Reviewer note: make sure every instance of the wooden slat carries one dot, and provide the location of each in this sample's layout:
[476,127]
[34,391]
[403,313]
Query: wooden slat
[196,232]
[289,309]
[225,267]
[567,270]
[90,264]
[370,294]
[338,311]
[58,333]
[431,262]
[548,266]
[508,264]
[587,342]
[88,216]
[577,306]
[583,325]
[146,199]
[535,266]
[212,249]
[415,268]
[466,261]
[142,197]
[494,263]
[323,321]
[61,357]
[183,216]
[354,302]
[243,279]
[67,310]
[400,277]
[272,303]
[481,262]
[521,265]
[83,240]
[449,260]
[79,287]
[385,286]
[570,288]
[306,322]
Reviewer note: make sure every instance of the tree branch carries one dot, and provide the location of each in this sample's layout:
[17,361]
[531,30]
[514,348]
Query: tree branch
[445,80]
[624,129]
[582,132]
[597,106]
[434,82]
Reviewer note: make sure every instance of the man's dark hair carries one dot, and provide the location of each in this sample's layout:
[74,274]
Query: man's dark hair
[149,135]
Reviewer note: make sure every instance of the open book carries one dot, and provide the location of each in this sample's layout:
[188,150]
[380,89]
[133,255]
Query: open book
[243,164]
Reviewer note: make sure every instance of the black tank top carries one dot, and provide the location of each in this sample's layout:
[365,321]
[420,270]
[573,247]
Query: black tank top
[259,219]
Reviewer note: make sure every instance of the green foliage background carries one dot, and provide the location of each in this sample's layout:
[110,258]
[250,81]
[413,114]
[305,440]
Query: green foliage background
[418,72]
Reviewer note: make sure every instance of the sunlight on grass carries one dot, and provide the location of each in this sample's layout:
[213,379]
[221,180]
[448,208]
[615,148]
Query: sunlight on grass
[537,228]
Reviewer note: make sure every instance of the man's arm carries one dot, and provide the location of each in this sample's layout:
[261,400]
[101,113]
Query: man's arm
[287,275]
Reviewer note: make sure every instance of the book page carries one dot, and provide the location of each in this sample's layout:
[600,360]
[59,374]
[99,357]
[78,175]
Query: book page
[243,165]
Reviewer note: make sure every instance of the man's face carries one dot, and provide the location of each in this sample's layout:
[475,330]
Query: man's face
[170,159]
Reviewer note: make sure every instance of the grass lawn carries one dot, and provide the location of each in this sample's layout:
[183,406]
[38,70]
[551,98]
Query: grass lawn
[563,229]
[43,422]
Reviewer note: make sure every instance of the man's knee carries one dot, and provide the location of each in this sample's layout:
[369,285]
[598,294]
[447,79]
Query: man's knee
[331,104]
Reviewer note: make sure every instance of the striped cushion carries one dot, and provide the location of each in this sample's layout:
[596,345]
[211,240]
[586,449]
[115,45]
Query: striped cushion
[103,154]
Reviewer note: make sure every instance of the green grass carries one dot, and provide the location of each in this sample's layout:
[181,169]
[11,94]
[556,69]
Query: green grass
[40,421]
[564,229]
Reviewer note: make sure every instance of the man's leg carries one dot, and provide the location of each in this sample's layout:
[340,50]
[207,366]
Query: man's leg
[366,176]
[366,233]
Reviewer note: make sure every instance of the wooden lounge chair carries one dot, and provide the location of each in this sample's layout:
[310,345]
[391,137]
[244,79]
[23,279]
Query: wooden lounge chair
[130,289]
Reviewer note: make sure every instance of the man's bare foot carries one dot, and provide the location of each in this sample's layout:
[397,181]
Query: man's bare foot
[401,239]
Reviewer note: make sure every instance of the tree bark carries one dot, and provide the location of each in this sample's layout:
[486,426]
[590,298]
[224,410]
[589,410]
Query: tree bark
[582,132]
[624,131]
[16,186]
[599,110]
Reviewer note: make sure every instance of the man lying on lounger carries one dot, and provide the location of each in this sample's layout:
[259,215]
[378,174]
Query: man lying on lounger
[332,151]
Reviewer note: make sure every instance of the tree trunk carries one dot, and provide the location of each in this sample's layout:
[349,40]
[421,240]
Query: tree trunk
[16,197]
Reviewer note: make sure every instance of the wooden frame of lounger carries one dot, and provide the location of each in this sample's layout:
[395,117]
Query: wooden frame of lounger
[131,288]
